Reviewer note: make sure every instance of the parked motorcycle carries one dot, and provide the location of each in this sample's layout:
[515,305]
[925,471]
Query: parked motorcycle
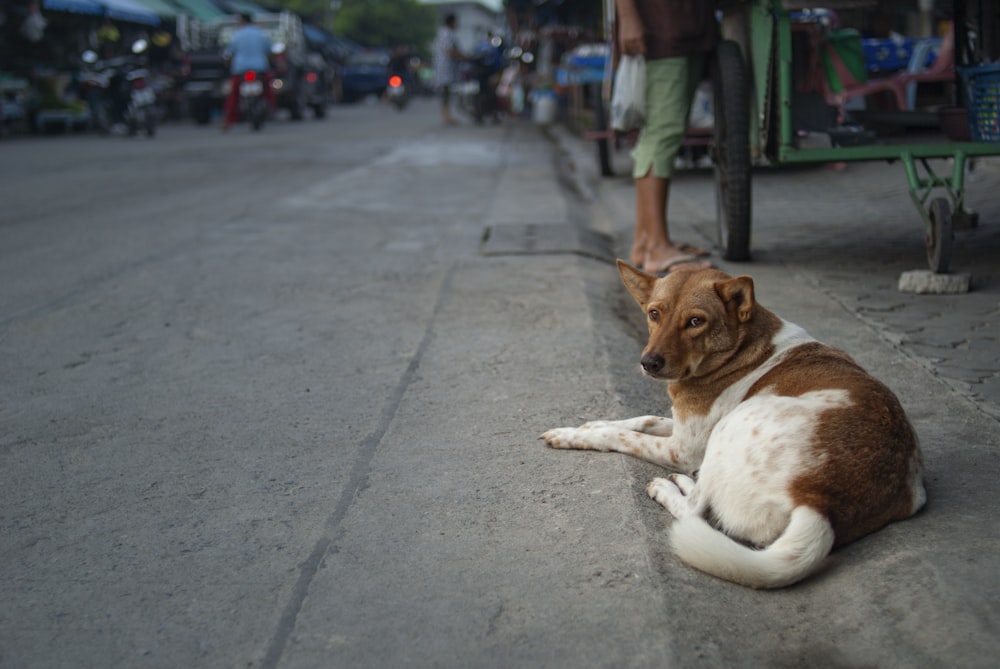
[396,92]
[118,90]
[476,89]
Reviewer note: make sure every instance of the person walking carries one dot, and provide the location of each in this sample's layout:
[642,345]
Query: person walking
[447,56]
[674,37]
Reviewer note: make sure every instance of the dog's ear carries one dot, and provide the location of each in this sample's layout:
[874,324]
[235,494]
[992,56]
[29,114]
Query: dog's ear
[639,283]
[737,294]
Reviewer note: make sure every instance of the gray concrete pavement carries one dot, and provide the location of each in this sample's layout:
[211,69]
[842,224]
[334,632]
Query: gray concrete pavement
[305,433]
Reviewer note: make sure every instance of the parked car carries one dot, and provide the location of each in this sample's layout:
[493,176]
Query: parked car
[366,72]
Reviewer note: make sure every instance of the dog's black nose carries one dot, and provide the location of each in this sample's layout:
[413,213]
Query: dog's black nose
[652,363]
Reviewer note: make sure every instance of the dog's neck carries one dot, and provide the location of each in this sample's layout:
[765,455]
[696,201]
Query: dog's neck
[762,341]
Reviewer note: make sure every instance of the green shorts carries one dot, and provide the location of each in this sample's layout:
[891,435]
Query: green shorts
[670,87]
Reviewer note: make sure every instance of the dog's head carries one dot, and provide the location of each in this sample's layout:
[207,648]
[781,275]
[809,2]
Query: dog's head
[697,319]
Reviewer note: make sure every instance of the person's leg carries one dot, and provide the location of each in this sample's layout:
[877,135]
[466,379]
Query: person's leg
[230,110]
[446,105]
[650,219]
[670,84]
[270,96]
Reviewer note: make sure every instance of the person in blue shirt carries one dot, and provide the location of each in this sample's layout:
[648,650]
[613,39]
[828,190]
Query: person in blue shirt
[249,50]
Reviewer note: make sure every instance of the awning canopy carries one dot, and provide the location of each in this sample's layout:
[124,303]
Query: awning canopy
[123,10]
[203,10]
[161,8]
[75,6]
[129,10]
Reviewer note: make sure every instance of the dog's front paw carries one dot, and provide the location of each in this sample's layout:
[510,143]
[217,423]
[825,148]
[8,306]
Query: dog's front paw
[560,437]
[585,437]
[671,494]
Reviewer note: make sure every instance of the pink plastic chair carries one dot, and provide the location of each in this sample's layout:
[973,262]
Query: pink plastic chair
[902,85]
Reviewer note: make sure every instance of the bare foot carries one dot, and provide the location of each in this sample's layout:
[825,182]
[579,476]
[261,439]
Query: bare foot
[638,254]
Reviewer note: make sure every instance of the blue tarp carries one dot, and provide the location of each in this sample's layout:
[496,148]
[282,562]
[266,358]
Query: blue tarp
[75,6]
[123,10]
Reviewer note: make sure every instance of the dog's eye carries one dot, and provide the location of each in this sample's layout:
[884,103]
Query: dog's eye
[654,315]
[695,322]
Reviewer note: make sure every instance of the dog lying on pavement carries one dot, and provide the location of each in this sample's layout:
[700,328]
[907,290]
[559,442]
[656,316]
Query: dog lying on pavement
[787,448]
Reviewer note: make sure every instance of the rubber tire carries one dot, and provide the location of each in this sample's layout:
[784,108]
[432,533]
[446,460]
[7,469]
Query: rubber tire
[601,125]
[150,123]
[136,117]
[100,117]
[257,113]
[731,150]
[201,111]
[298,106]
[939,235]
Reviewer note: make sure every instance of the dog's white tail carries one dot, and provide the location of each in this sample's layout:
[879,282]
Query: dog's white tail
[793,556]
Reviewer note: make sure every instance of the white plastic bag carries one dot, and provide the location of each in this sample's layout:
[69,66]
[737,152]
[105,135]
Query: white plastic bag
[702,113]
[628,99]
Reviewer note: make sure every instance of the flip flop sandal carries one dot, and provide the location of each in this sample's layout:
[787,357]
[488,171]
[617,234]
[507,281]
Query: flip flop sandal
[676,262]
[692,250]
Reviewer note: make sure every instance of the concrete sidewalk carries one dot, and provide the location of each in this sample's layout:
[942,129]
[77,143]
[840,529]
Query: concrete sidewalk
[828,248]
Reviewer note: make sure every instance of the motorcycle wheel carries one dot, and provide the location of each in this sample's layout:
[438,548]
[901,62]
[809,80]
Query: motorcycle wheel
[135,118]
[201,111]
[99,116]
[150,125]
[298,104]
[478,108]
[257,110]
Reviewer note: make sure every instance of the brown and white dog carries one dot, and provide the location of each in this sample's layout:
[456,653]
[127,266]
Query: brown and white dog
[790,449]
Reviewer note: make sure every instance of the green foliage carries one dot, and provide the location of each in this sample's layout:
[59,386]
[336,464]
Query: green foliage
[386,23]
[373,23]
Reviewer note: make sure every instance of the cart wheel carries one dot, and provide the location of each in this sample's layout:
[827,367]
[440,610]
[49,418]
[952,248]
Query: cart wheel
[939,235]
[731,150]
[601,125]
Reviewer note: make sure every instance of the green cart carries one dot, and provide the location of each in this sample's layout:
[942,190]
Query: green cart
[753,85]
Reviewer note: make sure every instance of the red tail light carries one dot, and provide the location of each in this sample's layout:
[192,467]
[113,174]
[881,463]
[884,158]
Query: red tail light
[139,83]
[395,81]
[312,77]
[250,76]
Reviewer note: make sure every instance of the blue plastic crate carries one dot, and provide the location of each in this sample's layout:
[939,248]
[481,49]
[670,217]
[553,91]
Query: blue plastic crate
[982,98]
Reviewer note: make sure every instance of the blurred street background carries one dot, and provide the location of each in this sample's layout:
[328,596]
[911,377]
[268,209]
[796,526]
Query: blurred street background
[272,398]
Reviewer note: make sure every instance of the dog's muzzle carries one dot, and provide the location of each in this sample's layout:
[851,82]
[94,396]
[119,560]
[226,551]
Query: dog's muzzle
[652,364]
